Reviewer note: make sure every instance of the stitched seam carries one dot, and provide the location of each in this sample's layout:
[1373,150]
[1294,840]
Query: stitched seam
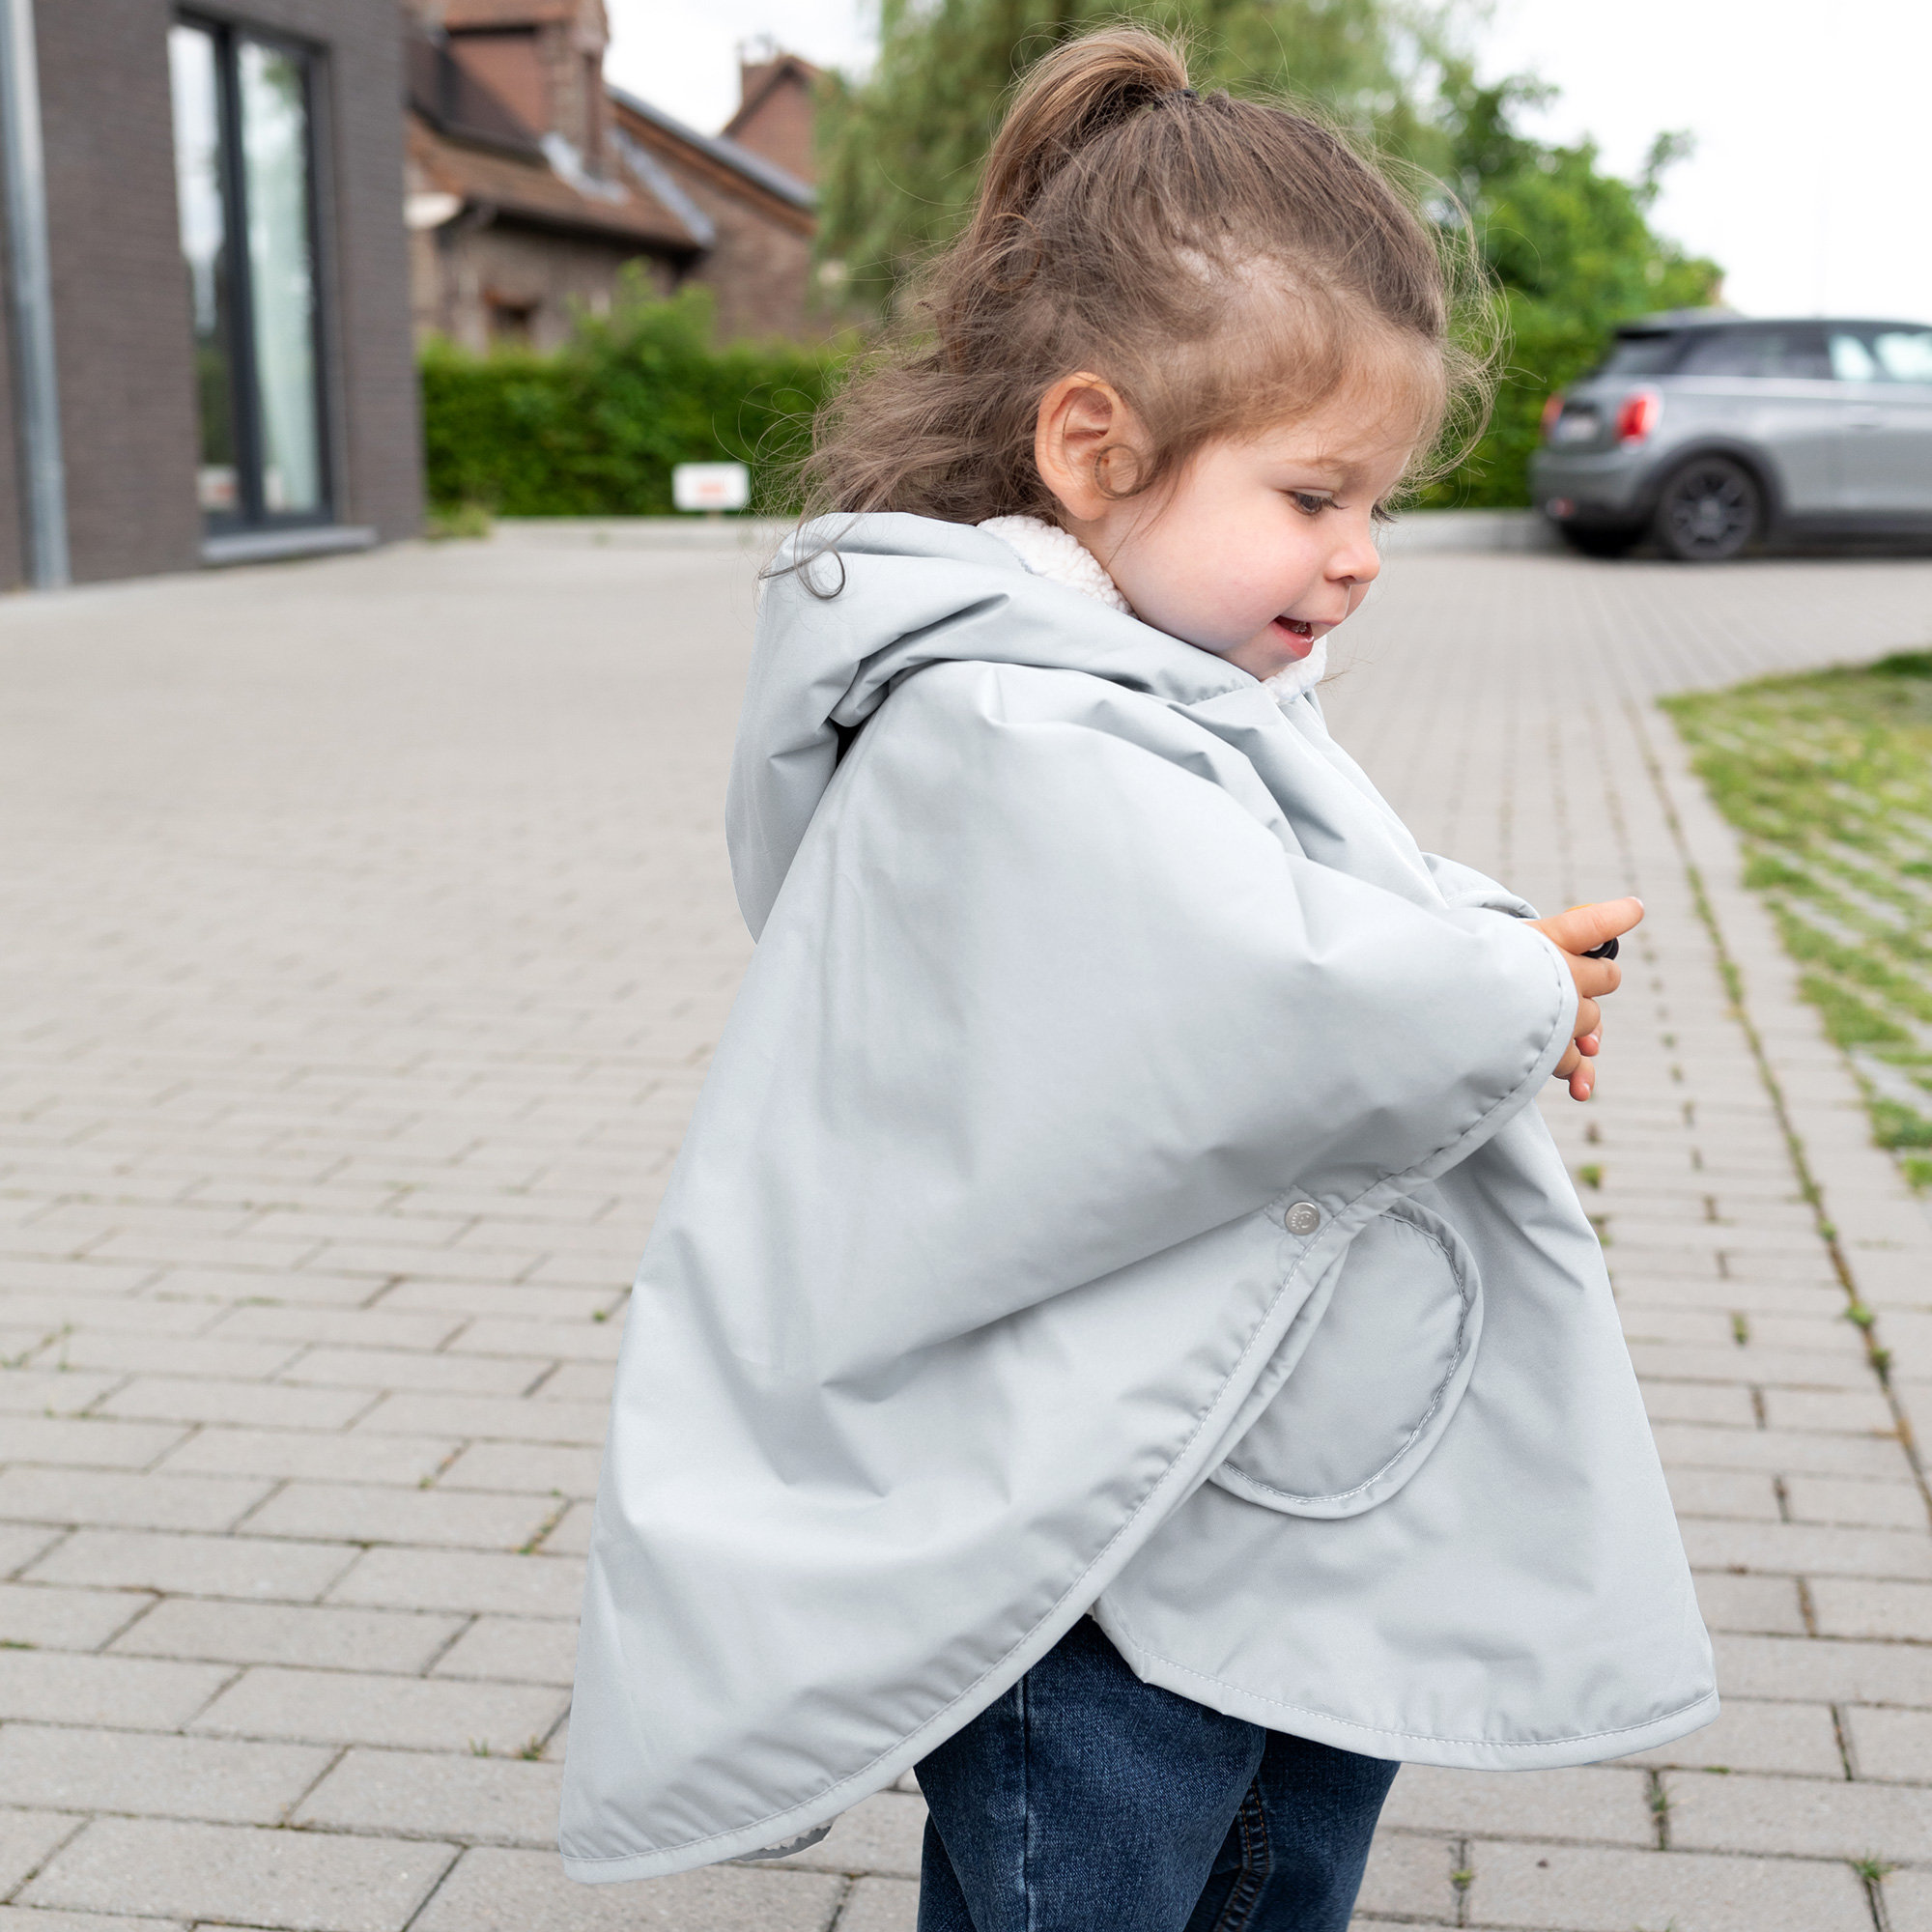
[1133,1516]
[1246,1891]
[1466,1294]
[1413,1737]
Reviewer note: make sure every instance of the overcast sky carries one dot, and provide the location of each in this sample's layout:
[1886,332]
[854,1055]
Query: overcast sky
[1810,181]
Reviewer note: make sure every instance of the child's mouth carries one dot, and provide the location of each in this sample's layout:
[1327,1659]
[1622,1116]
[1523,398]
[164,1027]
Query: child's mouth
[1297,634]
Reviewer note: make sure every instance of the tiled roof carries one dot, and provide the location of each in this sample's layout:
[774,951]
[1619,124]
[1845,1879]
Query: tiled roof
[532,191]
[725,152]
[458,14]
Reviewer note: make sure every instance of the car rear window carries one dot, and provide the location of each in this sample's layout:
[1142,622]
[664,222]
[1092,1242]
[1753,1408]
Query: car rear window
[1764,353]
[1882,356]
[1649,354]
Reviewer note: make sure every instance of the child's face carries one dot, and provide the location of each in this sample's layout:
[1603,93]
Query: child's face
[1260,545]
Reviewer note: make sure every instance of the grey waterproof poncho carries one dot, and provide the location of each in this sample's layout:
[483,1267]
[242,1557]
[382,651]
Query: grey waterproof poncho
[1117,1189]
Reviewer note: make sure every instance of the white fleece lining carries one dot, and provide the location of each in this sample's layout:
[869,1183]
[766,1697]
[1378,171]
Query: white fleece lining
[1061,557]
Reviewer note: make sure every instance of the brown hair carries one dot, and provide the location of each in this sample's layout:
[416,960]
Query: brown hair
[1225,264]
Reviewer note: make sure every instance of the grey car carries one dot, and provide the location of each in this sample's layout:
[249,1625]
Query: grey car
[1705,432]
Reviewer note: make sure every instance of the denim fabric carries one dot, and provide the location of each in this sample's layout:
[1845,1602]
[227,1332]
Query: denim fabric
[1086,1801]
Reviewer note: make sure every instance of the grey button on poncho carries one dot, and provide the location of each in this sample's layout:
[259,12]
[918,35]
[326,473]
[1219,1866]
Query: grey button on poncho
[1117,1189]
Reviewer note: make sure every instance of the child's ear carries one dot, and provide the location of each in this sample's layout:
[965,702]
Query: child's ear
[1081,420]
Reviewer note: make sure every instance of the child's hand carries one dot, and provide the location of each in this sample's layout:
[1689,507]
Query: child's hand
[1576,931]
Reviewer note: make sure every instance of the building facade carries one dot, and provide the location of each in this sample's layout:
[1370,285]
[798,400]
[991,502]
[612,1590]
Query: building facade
[209,357]
[536,192]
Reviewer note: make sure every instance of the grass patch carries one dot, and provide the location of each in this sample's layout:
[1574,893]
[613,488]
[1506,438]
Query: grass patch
[1828,779]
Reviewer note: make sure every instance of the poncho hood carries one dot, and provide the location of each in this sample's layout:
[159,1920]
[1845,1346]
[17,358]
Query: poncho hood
[1117,1191]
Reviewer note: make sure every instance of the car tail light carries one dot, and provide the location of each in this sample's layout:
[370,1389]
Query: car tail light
[1637,415]
[1551,409]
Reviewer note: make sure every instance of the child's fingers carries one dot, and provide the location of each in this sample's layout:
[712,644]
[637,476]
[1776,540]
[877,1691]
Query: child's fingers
[1585,926]
[1589,1020]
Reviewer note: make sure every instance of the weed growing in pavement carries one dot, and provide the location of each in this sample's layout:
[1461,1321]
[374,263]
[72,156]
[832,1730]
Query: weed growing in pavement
[1828,779]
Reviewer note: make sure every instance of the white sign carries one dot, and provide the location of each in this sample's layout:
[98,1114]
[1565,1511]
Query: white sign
[710,486]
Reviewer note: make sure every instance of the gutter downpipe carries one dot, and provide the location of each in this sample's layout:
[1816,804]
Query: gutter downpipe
[31,288]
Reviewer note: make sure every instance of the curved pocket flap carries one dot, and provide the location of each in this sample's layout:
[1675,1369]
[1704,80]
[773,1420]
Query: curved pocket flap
[1379,1378]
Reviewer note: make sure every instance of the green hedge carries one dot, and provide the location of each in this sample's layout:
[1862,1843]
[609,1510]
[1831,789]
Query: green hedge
[593,429]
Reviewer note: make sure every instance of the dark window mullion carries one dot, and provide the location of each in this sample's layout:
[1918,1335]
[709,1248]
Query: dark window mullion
[246,393]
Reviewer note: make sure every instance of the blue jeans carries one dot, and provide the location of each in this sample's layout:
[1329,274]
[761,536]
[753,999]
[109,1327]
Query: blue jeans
[1086,1801]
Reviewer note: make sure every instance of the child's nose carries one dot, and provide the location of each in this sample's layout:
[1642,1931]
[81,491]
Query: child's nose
[1357,562]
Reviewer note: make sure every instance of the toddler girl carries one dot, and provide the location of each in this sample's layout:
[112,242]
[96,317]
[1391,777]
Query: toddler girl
[1118,1338]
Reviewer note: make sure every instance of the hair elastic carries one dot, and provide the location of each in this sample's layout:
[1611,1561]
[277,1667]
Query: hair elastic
[1180,94]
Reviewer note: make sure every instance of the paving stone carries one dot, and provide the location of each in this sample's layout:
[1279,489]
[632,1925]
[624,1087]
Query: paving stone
[1823,1670]
[1908,1902]
[209,1565]
[42,1616]
[528,1466]
[20,1546]
[1750,1736]
[1781,1452]
[299,1880]
[127,1501]
[71,1688]
[327,1456]
[1745,1495]
[254,1405]
[518,1650]
[338,1707]
[1849,1411]
[1891,1744]
[319,1637]
[463,1579]
[84,1442]
[1807,1548]
[373,1514]
[1811,1817]
[49,1392]
[525,1421]
[1894,1505]
[572,1341]
[26,1837]
[495,1891]
[1699,1402]
[1409,1878]
[1605,1804]
[410,1368]
[874,1905]
[351,1327]
[1847,1606]
[1559,1889]
[1770,1605]
[467,1800]
[175,1354]
[163,1777]
[16,1918]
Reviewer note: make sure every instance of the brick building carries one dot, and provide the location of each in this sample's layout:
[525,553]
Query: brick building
[532,186]
[206,347]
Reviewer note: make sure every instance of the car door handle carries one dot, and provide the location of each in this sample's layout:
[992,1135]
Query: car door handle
[1864,419]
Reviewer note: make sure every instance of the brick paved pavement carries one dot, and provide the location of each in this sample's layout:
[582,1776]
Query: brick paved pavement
[369,930]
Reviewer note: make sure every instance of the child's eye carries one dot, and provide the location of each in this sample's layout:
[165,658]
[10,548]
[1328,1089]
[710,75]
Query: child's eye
[1382,514]
[1309,503]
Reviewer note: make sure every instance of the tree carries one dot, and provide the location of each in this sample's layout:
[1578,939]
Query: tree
[903,149]
[1569,247]
[1573,254]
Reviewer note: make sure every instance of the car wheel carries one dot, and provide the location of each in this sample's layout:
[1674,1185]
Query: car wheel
[1601,541]
[1709,511]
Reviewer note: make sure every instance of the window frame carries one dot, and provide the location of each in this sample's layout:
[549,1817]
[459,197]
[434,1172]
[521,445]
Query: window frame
[251,516]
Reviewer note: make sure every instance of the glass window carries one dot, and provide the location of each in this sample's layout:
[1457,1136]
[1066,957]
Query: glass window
[1767,354]
[204,240]
[1646,355]
[1851,361]
[1905,355]
[244,177]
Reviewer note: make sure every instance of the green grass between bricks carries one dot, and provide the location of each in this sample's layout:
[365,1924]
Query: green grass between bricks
[1828,779]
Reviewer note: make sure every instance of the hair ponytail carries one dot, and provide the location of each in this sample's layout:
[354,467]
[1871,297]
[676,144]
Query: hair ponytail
[1225,264]
[1078,91]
